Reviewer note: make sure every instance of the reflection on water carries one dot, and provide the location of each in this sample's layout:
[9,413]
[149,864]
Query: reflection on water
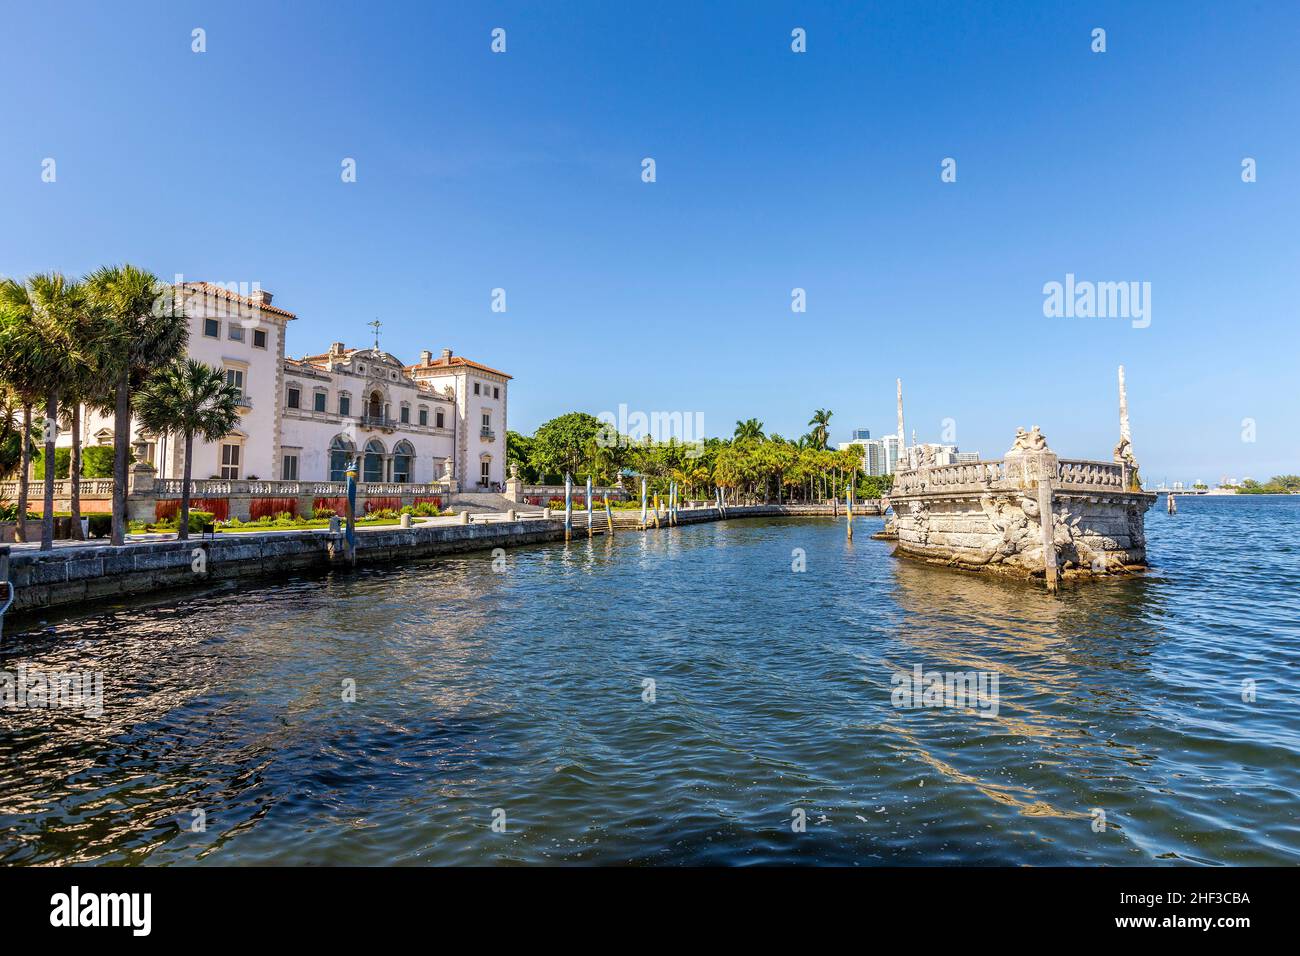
[522,690]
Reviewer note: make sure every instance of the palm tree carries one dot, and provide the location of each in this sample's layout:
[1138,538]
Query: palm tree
[88,387]
[42,341]
[24,378]
[188,398]
[150,330]
[750,428]
[820,423]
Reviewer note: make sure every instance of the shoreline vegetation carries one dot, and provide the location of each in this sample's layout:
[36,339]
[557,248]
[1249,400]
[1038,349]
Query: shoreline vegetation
[750,466]
[1277,485]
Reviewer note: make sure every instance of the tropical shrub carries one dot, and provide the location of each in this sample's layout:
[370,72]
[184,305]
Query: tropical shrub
[62,462]
[96,461]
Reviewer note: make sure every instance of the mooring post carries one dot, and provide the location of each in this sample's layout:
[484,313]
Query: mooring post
[350,529]
[848,510]
[590,529]
[609,518]
[568,506]
[8,598]
[672,503]
[643,525]
[1047,521]
[1169,504]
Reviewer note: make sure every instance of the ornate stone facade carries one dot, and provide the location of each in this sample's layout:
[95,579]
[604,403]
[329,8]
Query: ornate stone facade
[986,515]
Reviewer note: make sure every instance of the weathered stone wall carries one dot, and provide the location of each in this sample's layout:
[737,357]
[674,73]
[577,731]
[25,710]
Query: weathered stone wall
[1003,531]
[987,516]
[72,575]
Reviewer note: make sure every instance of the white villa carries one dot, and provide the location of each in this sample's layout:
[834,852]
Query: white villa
[304,419]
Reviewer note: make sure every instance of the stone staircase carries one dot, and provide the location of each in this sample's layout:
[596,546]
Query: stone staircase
[481,502]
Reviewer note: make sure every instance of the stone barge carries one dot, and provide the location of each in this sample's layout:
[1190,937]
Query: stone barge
[1029,514]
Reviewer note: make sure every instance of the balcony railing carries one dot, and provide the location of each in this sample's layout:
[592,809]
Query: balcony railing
[379,421]
[487,434]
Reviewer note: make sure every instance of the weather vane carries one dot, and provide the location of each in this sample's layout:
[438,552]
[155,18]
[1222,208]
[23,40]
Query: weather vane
[376,325]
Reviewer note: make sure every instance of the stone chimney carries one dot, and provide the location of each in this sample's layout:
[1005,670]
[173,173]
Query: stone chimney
[426,357]
[260,296]
[446,355]
[336,348]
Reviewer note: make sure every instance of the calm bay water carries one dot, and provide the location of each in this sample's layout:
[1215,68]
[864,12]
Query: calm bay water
[522,690]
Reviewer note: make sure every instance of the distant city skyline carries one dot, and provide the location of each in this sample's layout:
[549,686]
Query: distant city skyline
[775,171]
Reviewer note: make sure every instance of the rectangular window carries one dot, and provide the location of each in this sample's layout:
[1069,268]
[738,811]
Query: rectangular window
[229,461]
[406,415]
[476,388]
[424,416]
[485,473]
[236,333]
[235,377]
[496,392]
[212,328]
[259,338]
[295,398]
[319,402]
[487,420]
[441,421]
[345,404]
[290,470]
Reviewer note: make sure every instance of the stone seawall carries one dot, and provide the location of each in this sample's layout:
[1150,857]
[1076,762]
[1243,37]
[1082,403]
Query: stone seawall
[74,575]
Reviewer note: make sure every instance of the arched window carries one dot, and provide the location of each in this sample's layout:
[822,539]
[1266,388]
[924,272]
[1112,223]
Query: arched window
[342,451]
[373,469]
[375,406]
[403,458]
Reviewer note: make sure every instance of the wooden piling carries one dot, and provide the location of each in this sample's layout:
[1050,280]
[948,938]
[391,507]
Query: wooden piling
[848,512]
[7,598]
[590,529]
[609,518]
[568,506]
[350,528]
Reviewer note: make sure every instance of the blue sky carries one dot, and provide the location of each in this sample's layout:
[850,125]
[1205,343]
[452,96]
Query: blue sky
[775,170]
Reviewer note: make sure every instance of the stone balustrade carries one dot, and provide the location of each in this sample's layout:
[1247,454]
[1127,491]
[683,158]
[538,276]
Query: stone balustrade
[91,489]
[1013,474]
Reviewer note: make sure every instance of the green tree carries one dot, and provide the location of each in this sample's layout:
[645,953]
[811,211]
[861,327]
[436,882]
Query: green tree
[565,445]
[188,398]
[24,376]
[519,450]
[38,341]
[821,427]
[750,428]
[148,331]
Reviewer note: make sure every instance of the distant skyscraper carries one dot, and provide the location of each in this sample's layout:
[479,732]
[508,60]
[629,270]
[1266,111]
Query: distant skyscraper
[892,453]
[861,434]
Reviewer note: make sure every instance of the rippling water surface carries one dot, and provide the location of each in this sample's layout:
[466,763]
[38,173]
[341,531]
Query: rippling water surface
[522,691]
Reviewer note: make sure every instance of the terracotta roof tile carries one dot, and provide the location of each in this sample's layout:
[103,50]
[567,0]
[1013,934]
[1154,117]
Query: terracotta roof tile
[456,361]
[207,288]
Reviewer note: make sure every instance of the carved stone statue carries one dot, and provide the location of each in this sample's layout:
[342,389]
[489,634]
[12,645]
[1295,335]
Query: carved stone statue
[514,471]
[1124,453]
[1031,440]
